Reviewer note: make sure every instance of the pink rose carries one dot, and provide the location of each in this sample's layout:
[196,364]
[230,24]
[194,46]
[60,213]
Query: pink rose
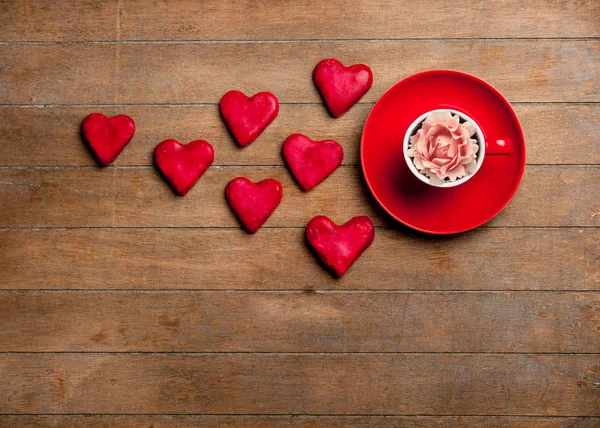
[443,148]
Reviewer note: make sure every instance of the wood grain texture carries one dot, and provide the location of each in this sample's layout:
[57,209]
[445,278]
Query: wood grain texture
[523,70]
[139,197]
[295,421]
[311,19]
[300,322]
[64,20]
[379,384]
[554,133]
[82,197]
[530,259]
[177,311]
[307,19]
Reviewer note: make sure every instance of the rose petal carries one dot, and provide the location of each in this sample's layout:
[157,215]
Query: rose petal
[470,128]
[453,150]
[456,162]
[438,128]
[442,147]
[438,117]
[466,150]
[428,164]
[434,179]
[453,123]
[471,167]
[441,175]
[444,139]
[418,163]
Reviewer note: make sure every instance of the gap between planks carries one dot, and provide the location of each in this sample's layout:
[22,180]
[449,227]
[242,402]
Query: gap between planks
[227,166]
[399,228]
[268,291]
[286,103]
[292,415]
[284,415]
[324,354]
[287,41]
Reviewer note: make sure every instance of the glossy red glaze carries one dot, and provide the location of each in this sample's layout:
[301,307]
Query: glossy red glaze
[341,87]
[107,137]
[339,246]
[311,161]
[416,204]
[183,164]
[502,146]
[246,117]
[253,203]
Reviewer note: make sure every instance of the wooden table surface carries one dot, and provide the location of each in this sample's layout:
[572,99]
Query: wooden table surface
[122,304]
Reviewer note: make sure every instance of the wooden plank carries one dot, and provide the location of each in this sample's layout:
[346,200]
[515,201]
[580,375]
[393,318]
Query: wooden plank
[378,384]
[51,136]
[546,127]
[531,259]
[65,20]
[57,196]
[311,19]
[295,421]
[300,322]
[524,70]
[139,197]
[36,20]
[563,195]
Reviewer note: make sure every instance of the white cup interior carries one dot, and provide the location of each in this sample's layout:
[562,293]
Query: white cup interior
[414,127]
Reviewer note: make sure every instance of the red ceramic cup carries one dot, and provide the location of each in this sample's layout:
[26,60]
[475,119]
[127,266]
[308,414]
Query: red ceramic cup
[493,146]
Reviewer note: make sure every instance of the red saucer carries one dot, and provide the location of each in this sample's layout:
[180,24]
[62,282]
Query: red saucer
[417,204]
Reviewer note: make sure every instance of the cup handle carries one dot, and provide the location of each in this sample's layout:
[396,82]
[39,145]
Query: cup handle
[498,146]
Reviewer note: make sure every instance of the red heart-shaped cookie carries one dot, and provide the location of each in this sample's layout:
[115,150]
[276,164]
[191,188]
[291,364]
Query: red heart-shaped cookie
[339,246]
[253,203]
[183,164]
[311,161]
[246,117]
[107,137]
[341,87]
